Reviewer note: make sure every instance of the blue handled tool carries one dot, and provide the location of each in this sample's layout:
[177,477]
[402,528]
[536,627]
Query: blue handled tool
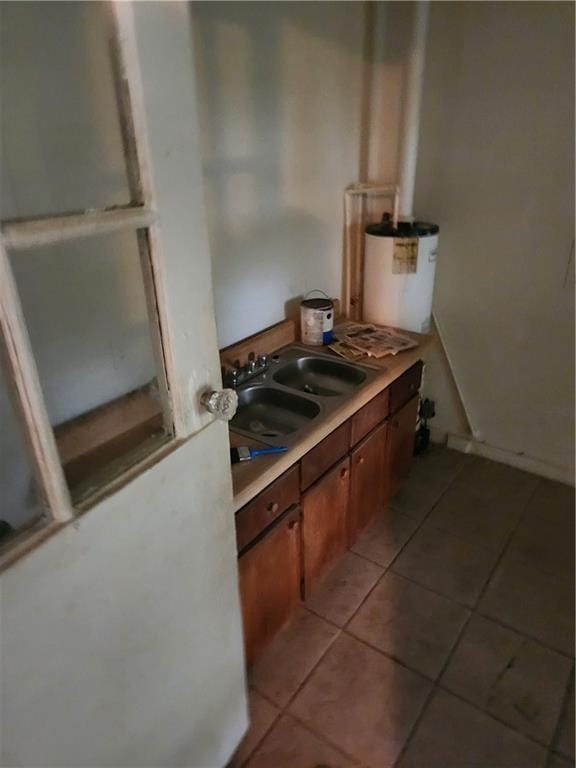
[244,453]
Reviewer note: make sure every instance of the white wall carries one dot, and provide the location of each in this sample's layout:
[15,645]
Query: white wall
[496,172]
[280,102]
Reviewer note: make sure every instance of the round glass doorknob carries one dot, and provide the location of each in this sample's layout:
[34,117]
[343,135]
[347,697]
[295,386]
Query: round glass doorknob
[222,403]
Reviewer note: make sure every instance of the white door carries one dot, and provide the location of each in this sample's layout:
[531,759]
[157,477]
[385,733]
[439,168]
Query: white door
[121,631]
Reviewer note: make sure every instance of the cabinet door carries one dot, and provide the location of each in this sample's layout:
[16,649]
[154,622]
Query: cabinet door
[269,575]
[324,522]
[368,481]
[400,445]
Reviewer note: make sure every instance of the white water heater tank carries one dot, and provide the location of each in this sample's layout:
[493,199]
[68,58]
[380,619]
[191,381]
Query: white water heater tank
[399,268]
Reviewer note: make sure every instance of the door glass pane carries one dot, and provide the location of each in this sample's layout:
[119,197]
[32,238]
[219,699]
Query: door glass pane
[85,308]
[61,139]
[20,505]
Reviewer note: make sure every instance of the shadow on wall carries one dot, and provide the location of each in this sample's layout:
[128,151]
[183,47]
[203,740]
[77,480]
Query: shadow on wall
[280,107]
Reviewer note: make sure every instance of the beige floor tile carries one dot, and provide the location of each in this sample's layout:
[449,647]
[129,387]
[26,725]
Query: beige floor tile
[430,475]
[344,588]
[532,602]
[452,734]
[293,654]
[509,676]
[262,715]
[477,516]
[290,745]
[417,497]
[441,464]
[565,740]
[498,480]
[410,623]
[362,701]
[446,563]
[553,496]
[558,761]
[545,537]
[385,536]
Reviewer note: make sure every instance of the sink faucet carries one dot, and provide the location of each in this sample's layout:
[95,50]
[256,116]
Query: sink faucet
[234,377]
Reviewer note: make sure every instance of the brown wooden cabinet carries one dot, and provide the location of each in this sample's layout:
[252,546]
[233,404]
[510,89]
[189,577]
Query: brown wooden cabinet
[340,485]
[400,445]
[324,522]
[269,577]
[261,512]
[368,481]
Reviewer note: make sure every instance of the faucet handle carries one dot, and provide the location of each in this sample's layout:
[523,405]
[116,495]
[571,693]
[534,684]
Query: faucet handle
[231,377]
[262,361]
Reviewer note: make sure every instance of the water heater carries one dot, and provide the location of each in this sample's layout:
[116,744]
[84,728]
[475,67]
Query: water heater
[399,268]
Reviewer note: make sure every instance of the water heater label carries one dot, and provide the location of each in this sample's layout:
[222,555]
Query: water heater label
[405,259]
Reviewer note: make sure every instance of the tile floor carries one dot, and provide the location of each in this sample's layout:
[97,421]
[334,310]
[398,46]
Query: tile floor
[444,639]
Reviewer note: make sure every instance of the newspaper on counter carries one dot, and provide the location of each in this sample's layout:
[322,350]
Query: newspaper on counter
[356,340]
[348,353]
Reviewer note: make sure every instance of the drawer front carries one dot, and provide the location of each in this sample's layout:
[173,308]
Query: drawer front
[370,416]
[326,454]
[405,387]
[257,515]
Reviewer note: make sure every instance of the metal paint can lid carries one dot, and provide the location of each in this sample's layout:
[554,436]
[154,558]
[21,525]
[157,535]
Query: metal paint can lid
[323,303]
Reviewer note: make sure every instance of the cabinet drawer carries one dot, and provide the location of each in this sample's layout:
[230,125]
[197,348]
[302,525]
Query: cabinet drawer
[370,416]
[257,515]
[326,453]
[405,387]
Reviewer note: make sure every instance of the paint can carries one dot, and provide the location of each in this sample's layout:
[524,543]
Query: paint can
[316,320]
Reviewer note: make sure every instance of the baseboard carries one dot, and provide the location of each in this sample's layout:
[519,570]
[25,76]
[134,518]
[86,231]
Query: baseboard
[467,444]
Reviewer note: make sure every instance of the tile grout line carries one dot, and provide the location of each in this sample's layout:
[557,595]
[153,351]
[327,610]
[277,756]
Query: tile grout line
[435,683]
[258,744]
[284,710]
[284,707]
[437,686]
[563,708]
[322,737]
[397,555]
[441,687]
[497,621]
[342,630]
[390,566]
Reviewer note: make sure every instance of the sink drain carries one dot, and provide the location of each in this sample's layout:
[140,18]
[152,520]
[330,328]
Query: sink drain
[258,428]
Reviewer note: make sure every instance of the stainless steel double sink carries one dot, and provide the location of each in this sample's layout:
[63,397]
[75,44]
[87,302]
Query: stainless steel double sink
[298,387]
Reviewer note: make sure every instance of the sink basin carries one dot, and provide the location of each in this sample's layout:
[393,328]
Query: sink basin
[320,376]
[269,413]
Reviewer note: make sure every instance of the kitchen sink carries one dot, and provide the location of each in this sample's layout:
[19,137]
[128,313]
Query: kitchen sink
[270,414]
[277,405]
[320,376]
